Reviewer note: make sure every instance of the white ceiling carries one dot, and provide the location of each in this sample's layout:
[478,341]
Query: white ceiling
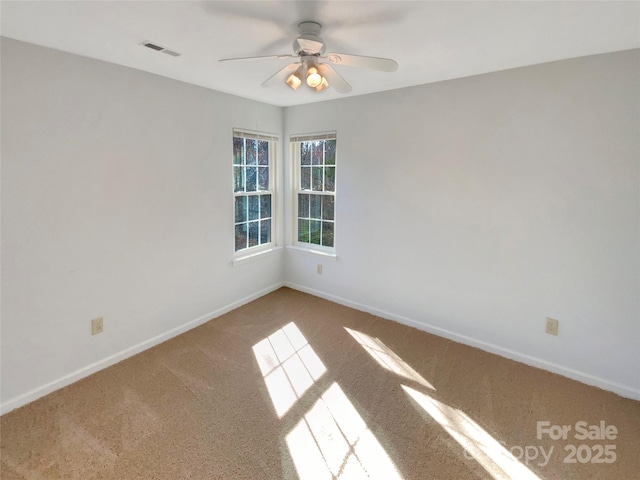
[431,41]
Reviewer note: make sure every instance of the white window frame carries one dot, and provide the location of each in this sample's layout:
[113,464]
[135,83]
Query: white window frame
[294,142]
[251,251]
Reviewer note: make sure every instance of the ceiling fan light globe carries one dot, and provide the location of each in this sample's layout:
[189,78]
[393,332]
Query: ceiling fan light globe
[313,77]
[294,81]
[323,85]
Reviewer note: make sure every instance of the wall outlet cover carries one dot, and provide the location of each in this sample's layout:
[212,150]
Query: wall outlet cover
[97,325]
[552,326]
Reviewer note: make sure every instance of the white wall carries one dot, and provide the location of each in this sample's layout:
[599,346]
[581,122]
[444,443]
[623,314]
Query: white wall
[472,208]
[477,207]
[116,202]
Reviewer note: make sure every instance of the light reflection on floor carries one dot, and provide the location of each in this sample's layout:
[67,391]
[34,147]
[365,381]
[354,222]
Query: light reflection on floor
[485,449]
[333,441]
[387,358]
[289,366]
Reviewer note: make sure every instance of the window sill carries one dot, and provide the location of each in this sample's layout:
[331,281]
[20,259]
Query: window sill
[246,257]
[311,251]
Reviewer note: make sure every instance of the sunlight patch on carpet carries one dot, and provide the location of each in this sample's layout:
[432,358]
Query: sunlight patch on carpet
[387,358]
[333,441]
[485,449]
[289,366]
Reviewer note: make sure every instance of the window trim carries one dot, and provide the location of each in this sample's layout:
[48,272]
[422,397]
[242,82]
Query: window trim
[294,142]
[254,255]
[313,251]
[256,251]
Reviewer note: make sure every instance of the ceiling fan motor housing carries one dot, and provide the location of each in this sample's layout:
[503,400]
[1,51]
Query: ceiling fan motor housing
[309,41]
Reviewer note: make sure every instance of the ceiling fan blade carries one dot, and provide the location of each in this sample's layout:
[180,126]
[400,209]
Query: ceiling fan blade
[334,78]
[258,58]
[374,63]
[281,74]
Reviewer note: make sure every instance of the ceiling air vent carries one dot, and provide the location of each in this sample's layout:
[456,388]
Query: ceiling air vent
[158,48]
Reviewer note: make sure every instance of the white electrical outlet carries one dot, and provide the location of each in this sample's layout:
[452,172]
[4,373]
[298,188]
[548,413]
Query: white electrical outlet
[319,269]
[552,326]
[97,325]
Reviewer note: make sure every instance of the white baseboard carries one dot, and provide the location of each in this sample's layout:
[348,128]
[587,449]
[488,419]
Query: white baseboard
[43,390]
[622,390]
[30,396]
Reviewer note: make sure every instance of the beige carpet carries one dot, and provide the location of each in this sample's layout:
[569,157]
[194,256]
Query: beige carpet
[292,386]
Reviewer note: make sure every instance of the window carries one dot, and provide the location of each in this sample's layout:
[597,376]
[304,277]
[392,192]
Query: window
[315,157]
[252,188]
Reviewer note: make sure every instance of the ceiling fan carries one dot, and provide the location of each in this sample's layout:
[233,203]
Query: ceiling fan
[312,66]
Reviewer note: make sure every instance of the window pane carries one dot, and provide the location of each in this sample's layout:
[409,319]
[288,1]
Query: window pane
[253,234]
[241,236]
[329,179]
[254,207]
[305,153]
[314,231]
[330,152]
[303,205]
[251,151]
[263,178]
[327,207]
[251,175]
[327,234]
[305,178]
[265,206]
[241,209]
[251,181]
[238,179]
[263,152]
[265,231]
[238,150]
[316,209]
[317,179]
[303,230]
[316,153]
[315,206]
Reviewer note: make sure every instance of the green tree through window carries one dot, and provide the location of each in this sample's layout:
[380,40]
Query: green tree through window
[316,189]
[253,195]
